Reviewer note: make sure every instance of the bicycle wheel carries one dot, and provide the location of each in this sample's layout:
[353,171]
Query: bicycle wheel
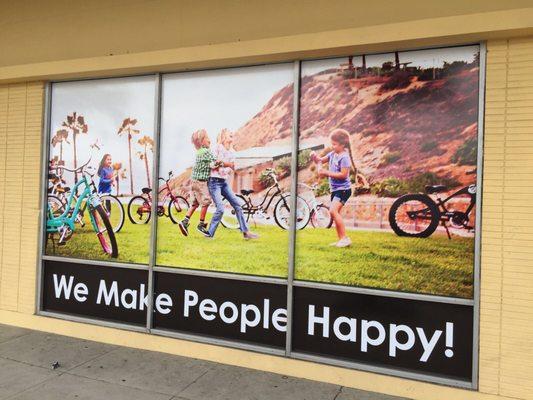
[177,209]
[229,219]
[321,217]
[414,215]
[104,231]
[115,211]
[282,212]
[56,207]
[139,210]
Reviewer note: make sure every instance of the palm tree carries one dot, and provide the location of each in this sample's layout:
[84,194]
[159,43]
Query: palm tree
[148,144]
[76,124]
[60,136]
[128,127]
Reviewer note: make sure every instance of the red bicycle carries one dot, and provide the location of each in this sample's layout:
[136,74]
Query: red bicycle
[140,207]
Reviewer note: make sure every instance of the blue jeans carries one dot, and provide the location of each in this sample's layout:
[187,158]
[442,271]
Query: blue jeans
[219,187]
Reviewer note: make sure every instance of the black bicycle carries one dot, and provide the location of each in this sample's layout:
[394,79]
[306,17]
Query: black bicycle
[418,215]
[281,209]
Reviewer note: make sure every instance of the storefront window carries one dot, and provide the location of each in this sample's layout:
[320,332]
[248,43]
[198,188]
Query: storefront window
[225,168]
[100,164]
[382,139]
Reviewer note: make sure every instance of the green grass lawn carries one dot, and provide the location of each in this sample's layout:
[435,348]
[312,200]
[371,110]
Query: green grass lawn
[435,265]
[376,259]
[133,244]
[227,252]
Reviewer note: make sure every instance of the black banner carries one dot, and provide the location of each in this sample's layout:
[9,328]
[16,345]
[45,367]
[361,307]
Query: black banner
[224,308]
[413,335]
[112,294]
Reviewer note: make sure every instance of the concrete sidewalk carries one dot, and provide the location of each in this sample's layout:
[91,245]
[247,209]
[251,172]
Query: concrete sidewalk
[91,370]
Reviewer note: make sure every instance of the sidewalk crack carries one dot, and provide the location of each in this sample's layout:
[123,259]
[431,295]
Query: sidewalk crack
[338,393]
[14,395]
[102,380]
[193,382]
[26,363]
[15,338]
[92,359]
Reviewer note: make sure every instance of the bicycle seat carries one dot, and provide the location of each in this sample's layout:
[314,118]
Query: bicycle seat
[146,190]
[245,192]
[430,189]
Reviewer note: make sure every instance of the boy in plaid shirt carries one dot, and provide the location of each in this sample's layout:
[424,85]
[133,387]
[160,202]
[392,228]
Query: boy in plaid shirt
[201,170]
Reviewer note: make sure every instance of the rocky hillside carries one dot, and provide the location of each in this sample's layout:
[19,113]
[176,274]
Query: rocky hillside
[273,124]
[401,126]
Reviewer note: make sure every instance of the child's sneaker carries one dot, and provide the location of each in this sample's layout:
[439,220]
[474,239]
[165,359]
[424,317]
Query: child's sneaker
[202,228]
[250,235]
[344,242]
[184,227]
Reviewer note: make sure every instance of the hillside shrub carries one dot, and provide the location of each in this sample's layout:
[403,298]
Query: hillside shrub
[389,187]
[417,183]
[398,80]
[283,166]
[304,159]
[390,158]
[323,187]
[453,67]
[394,187]
[466,154]
[429,146]
[266,180]
[426,74]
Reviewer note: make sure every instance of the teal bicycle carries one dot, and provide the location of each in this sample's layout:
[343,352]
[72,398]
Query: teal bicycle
[61,217]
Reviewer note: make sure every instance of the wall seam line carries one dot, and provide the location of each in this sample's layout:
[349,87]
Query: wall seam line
[502,248]
[22,200]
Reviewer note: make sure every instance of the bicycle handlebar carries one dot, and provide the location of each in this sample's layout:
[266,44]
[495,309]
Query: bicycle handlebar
[73,170]
[170,174]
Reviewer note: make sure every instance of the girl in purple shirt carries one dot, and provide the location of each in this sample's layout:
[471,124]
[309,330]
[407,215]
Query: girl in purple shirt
[340,161]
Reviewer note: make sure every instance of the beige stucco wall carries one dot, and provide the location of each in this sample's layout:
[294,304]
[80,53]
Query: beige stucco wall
[69,39]
[78,29]
[21,111]
[506,350]
[506,329]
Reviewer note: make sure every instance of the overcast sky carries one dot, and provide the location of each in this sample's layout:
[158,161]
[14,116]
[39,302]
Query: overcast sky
[418,58]
[212,100]
[105,103]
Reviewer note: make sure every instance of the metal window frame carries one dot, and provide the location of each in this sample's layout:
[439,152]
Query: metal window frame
[479,198]
[289,280]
